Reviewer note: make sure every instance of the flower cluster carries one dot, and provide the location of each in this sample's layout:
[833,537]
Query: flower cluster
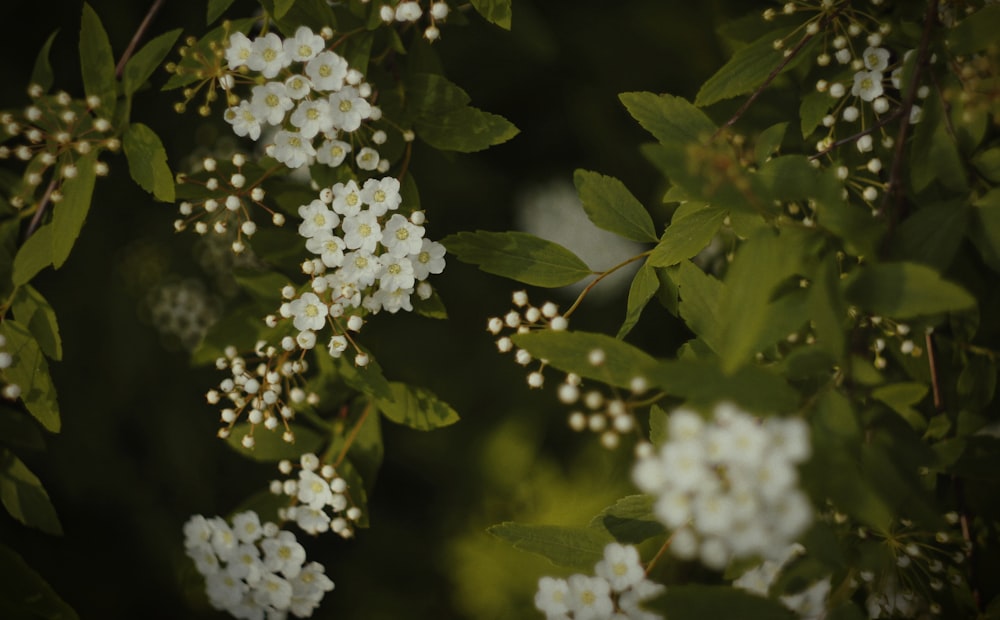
[410,12]
[264,387]
[254,570]
[368,258]
[218,200]
[315,489]
[317,106]
[809,604]
[56,130]
[182,311]
[617,589]
[728,487]
[10,391]
[522,319]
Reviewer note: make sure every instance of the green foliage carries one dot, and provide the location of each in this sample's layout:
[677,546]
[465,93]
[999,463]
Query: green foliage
[269,445]
[147,161]
[519,256]
[702,601]
[141,66]
[97,62]
[630,520]
[30,372]
[644,287]
[572,547]
[215,9]
[24,594]
[495,11]
[610,206]
[42,72]
[34,312]
[687,235]
[570,352]
[23,496]
[33,256]
[906,290]
[68,218]
[975,32]
[417,408]
[670,119]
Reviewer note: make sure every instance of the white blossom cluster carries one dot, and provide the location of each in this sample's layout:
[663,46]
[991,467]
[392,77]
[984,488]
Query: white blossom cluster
[313,491]
[521,319]
[264,387]
[317,104]
[368,258]
[728,487]
[54,131]
[616,590]
[10,391]
[225,206]
[182,311]
[254,570]
[809,604]
[410,12]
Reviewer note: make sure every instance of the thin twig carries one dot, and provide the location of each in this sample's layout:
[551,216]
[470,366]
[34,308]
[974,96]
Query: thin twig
[36,219]
[349,440]
[929,343]
[146,21]
[893,195]
[885,120]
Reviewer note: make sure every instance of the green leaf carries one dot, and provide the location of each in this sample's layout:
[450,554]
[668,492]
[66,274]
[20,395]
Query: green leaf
[687,236]
[657,425]
[572,547]
[988,164]
[769,141]
[97,61]
[68,217]
[430,94]
[813,108]
[610,206]
[976,32]
[518,256]
[827,309]
[432,307]
[141,66]
[905,290]
[698,602]
[24,595]
[269,445]
[747,69]
[32,310]
[417,408]
[215,9]
[630,520]
[18,430]
[495,11]
[985,230]
[701,301]
[368,379]
[24,497]
[281,7]
[570,352]
[933,234]
[703,383]
[670,119]
[263,286]
[934,153]
[33,256]
[644,286]
[42,72]
[30,372]
[900,397]
[465,130]
[147,161]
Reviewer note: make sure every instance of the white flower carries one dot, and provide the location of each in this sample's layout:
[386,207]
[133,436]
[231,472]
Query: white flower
[246,564]
[327,71]
[397,273]
[867,85]
[349,108]
[244,120]
[298,87]
[337,345]
[381,195]
[332,152]
[367,158]
[224,542]
[391,300]
[360,268]
[283,554]
[292,149]
[552,597]
[267,55]
[304,46]
[238,51]
[317,219]
[429,260]
[225,590]
[347,199]
[810,604]
[310,313]
[313,490]
[876,58]
[408,11]
[620,567]
[197,533]
[247,527]
[590,598]
[273,591]
[329,247]
[400,237]
[362,232]
[312,117]
[270,101]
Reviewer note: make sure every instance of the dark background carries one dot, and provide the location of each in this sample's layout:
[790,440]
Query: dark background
[138,456]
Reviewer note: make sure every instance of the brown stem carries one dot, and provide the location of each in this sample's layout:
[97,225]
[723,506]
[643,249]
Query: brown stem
[965,517]
[929,343]
[893,193]
[349,441]
[36,219]
[146,21]
[885,120]
[659,554]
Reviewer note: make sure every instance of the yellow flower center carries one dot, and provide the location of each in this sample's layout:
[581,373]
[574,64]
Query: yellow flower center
[345,106]
[364,230]
[325,70]
[352,199]
[305,50]
[395,269]
[379,196]
[402,234]
[270,54]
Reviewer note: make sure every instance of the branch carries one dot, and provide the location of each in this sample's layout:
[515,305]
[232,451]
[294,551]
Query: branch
[139,33]
[36,219]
